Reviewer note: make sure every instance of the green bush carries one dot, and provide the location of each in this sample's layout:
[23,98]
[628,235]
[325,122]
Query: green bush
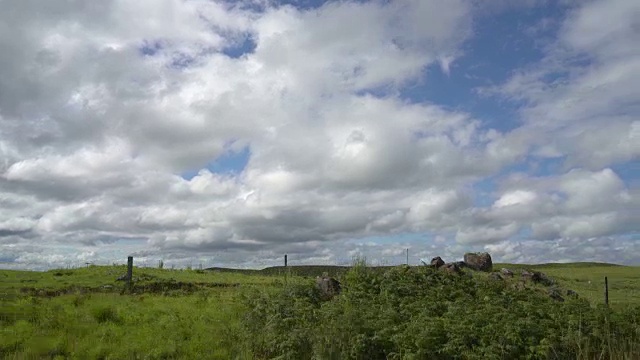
[422,313]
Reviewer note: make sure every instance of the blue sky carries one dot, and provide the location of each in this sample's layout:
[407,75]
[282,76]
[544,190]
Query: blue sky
[238,131]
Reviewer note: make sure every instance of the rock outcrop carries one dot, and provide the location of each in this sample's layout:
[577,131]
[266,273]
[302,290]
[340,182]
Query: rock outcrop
[460,264]
[437,262]
[452,268]
[478,261]
[328,286]
[506,272]
[537,277]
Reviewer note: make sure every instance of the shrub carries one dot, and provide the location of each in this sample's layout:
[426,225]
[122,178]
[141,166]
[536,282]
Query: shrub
[423,313]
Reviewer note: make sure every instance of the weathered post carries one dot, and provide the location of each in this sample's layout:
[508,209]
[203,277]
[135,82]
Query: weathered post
[407,256]
[129,272]
[606,291]
[285,270]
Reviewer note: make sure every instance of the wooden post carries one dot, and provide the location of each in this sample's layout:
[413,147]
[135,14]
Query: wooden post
[407,256]
[285,269]
[606,291]
[129,271]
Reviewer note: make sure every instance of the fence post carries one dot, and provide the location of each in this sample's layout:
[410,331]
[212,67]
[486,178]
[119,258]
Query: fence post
[606,291]
[407,256]
[285,270]
[129,272]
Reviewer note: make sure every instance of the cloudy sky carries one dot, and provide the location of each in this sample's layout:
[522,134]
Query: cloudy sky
[230,133]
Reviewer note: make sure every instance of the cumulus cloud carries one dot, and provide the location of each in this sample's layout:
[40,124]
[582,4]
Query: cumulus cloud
[104,108]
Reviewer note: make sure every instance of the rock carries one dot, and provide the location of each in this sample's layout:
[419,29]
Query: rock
[460,264]
[537,277]
[506,272]
[107,287]
[328,286]
[451,268]
[572,293]
[530,275]
[478,261]
[437,261]
[555,295]
[495,276]
[545,280]
[122,278]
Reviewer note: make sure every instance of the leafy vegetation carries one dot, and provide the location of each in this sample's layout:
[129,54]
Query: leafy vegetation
[422,313]
[382,313]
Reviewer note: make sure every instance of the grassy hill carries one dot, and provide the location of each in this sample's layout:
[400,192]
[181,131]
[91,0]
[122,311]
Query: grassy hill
[86,313]
[586,278]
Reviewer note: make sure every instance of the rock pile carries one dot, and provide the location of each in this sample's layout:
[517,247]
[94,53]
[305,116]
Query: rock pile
[483,262]
[475,261]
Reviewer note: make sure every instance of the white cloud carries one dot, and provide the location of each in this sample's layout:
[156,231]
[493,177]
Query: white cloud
[581,98]
[517,197]
[105,104]
[598,249]
[486,234]
[576,204]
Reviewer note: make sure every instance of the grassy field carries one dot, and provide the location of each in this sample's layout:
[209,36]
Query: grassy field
[86,314]
[587,279]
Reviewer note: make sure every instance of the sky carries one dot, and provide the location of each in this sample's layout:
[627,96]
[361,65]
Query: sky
[229,133]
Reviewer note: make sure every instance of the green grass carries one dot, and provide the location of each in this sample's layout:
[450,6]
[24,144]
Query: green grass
[84,313]
[99,325]
[97,276]
[587,279]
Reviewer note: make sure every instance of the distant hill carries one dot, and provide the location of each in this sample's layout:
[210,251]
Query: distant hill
[561,265]
[299,270]
[337,270]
